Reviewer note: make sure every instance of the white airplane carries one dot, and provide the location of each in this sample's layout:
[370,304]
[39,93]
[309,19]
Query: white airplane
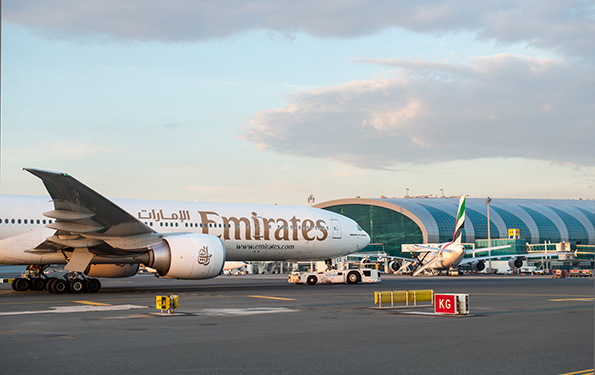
[451,255]
[95,237]
[232,266]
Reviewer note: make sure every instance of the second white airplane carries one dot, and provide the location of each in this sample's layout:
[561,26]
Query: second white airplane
[95,237]
[451,255]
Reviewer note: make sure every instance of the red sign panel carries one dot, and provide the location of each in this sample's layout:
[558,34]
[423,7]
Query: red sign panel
[445,304]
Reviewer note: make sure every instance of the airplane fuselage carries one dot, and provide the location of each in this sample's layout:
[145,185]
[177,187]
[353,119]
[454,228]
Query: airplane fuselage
[449,260]
[249,232]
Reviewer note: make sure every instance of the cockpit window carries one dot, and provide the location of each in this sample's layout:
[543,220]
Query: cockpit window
[359,228]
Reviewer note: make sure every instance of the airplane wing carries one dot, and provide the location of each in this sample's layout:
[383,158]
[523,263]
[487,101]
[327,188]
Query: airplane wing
[482,249]
[84,219]
[425,249]
[513,256]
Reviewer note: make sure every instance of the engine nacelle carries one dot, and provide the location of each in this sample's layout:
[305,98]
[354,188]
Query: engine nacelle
[515,263]
[395,265]
[111,270]
[478,266]
[188,256]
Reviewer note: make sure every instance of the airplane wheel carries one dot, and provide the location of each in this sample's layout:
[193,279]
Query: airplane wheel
[76,286]
[93,285]
[59,286]
[312,280]
[38,283]
[23,284]
[353,278]
[14,284]
[48,285]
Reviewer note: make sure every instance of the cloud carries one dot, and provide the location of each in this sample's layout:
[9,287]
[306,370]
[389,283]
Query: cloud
[495,106]
[564,26]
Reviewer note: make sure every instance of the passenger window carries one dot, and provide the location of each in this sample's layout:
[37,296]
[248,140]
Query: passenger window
[25,221]
[19,221]
[37,221]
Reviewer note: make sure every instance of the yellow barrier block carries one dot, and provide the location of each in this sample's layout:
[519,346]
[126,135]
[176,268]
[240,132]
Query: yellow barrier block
[424,295]
[404,296]
[400,296]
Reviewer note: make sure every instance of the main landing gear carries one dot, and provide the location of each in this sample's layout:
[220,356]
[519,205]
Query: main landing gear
[74,282]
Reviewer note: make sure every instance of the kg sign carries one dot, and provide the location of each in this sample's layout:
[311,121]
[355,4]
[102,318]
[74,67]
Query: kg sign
[445,304]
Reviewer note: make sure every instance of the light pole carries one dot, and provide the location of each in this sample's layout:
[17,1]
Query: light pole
[489,237]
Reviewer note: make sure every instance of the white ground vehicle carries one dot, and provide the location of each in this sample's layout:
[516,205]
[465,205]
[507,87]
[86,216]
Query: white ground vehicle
[364,275]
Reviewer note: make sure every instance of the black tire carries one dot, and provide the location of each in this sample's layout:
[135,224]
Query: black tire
[23,284]
[76,286]
[93,286]
[312,280]
[38,283]
[59,286]
[353,278]
[14,284]
[48,285]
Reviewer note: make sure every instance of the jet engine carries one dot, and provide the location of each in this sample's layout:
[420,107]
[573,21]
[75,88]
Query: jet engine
[515,263]
[395,265]
[478,266]
[189,256]
[111,270]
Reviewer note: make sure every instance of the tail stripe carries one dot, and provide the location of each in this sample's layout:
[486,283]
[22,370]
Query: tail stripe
[457,237]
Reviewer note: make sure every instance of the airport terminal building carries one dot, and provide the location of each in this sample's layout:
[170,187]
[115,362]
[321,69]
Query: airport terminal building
[393,222]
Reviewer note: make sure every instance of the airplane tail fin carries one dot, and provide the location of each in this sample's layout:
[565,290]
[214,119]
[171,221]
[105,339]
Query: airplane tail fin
[460,223]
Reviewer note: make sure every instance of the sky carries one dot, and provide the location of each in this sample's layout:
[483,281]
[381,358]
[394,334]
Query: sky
[270,101]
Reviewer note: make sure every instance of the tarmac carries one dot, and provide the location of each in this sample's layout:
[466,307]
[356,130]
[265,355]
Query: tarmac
[261,324]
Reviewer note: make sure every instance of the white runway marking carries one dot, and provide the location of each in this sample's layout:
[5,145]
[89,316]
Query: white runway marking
[248,311]
[76,309]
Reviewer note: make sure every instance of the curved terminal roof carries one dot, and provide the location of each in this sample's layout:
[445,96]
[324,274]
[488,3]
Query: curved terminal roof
[539,220]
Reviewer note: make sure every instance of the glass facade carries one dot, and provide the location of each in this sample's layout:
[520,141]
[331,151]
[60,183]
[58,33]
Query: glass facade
[547,229]
[513,222]
[434,220]
[588,214]
[445,222]
[576,232]
[383,225]
[480,226]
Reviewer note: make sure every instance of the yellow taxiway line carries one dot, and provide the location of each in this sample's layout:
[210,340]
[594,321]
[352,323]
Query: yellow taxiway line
[92,303]
[584,372]
[279,298]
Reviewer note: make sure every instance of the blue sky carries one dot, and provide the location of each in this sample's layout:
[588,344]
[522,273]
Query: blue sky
[266,102]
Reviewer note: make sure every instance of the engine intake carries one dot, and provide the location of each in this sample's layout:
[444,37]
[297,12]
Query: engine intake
[189,256]
[395,265]
[515,263]
[478,266]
